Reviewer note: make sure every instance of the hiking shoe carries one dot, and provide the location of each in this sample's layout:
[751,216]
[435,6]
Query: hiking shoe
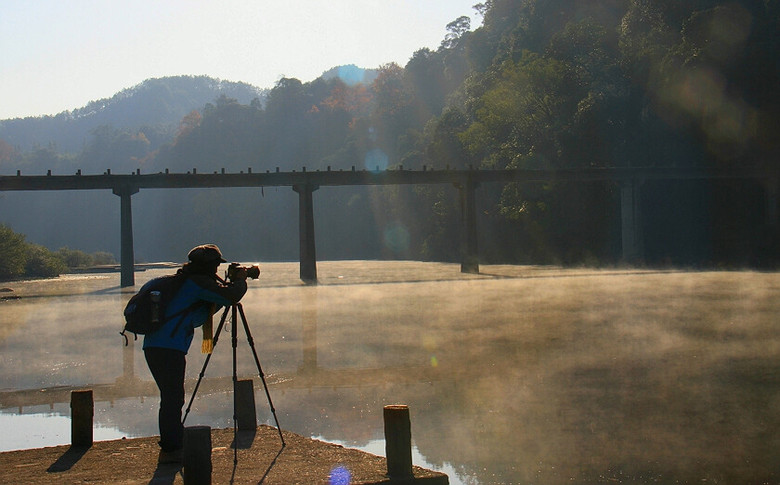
[174,456]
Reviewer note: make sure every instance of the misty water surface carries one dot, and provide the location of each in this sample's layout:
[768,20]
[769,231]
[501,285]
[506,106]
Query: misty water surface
[516,375]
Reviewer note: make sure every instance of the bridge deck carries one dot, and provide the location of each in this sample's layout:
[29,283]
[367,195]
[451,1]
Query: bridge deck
[354,177]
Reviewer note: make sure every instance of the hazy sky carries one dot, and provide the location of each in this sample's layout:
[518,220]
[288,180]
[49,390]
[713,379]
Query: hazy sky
[58,55]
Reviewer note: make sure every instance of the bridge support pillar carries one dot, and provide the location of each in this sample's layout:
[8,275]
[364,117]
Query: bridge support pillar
[306,232]
[127,256]
[771,187]
[631,221]
[469,253]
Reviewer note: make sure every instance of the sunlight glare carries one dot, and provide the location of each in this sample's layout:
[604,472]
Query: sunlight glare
[397,237]
[376,159]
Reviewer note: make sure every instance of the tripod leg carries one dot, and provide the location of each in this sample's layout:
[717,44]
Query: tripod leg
[259,369]
[205,364]
[234,340]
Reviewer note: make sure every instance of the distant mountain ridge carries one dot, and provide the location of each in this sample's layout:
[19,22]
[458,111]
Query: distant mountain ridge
[158,102]
[176,93]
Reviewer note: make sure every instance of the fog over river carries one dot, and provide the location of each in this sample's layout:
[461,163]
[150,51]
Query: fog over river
[521,374]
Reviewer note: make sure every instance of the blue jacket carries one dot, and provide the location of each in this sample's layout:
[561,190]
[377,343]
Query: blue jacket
[177,332]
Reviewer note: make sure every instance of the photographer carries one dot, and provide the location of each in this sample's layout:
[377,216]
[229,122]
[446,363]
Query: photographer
[200,296]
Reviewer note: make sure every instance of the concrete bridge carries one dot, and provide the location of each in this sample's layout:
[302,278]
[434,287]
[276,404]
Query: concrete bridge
[306,182]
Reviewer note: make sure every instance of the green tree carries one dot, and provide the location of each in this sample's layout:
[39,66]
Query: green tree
[424,71]
[43,263]
[13,253]
[116,149]
[445,147]
[524,120]
[455,31]
[394,108]
[74,258]
[102,258]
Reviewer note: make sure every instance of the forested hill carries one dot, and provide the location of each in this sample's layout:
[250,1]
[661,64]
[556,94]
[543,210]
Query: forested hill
[155,107]
[540,84]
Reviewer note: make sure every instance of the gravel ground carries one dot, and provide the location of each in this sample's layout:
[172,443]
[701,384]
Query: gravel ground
[261,459]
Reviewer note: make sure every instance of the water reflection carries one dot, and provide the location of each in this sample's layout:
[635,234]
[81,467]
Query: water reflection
[518,375]
[51,428]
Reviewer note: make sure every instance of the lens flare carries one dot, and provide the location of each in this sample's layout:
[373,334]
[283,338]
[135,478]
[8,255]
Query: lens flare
[340,476]
[729,28]
[351,75]
[376,159]
[701,94]
[397,237]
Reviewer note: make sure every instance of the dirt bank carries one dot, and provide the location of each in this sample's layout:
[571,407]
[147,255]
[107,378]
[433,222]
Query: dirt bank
[261,459]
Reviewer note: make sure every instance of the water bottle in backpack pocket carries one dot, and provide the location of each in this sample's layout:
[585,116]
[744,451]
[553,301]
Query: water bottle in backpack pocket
[145,311]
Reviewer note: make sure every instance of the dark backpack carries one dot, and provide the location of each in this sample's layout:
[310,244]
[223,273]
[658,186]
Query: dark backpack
[145,312]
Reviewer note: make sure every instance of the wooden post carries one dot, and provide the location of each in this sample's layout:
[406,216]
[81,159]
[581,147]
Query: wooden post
[196,456]
[81,411]
[398,441]
[246,416]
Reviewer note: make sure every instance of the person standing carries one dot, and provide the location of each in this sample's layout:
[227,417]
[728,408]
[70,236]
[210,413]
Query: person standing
[165,350]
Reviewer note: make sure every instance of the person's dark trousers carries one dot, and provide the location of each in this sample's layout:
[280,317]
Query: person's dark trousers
[167,367]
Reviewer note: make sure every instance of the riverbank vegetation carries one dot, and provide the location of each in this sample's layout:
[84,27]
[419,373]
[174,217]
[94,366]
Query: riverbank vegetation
[19,259]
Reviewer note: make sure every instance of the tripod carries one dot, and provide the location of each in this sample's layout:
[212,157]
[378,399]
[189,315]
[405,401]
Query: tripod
[235,310]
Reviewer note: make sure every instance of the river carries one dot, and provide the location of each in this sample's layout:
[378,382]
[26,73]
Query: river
[520,374]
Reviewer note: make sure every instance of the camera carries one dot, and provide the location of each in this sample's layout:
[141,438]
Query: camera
[251,271]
